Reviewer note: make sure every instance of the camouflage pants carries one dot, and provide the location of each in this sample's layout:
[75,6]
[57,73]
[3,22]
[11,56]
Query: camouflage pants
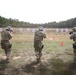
[6,46]
[38,49]
[74,50]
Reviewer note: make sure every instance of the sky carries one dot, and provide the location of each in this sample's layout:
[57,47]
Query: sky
[38,11]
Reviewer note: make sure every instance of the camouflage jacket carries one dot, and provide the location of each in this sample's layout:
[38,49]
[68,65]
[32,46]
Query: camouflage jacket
[5,35]
[73,36]
[39,35]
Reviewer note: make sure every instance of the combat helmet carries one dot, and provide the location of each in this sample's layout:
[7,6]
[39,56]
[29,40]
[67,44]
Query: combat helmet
[74,29]
[9,28]
[40,28]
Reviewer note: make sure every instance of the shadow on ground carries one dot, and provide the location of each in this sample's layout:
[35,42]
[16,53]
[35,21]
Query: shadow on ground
[35,68]
[54,66]
[3,66]
[71,70]
[59,67]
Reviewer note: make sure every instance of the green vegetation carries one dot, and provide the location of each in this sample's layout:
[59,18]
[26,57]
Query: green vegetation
[16,23]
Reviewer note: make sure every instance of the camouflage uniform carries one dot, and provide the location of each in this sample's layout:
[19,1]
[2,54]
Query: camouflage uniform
[5,44]
[38,45]
[73,36]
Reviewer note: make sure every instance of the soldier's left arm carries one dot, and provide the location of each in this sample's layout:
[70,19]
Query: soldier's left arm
[44,35]
[10,36]
[72,36]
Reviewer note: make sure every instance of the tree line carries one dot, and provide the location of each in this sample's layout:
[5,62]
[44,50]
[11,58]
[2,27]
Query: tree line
[16,23]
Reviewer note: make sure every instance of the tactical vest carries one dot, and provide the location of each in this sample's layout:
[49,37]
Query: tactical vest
[5,35]
[38,36]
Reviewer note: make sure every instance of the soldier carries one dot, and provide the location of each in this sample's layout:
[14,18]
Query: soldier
[73,36]
[5,44]
[38,38]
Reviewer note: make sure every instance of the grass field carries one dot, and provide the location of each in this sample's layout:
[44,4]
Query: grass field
[57,58]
